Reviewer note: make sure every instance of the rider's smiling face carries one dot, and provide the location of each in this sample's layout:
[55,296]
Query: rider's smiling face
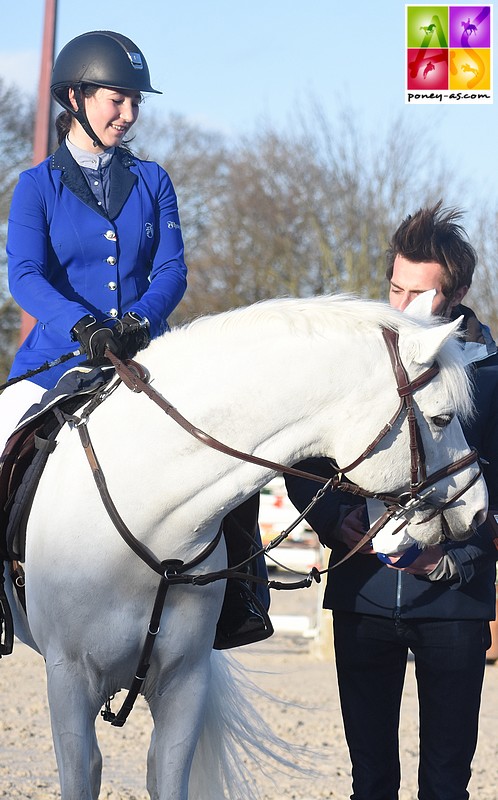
[110,112]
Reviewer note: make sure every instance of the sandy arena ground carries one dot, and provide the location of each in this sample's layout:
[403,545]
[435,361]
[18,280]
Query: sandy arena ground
[290,665]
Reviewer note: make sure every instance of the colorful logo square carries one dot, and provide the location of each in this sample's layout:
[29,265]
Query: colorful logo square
[448,54]
[427,26]
[470,26]
[427,69]
[470,69]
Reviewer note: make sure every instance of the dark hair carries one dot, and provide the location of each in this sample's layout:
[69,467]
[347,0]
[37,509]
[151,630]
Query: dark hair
[433,234]
[64,119]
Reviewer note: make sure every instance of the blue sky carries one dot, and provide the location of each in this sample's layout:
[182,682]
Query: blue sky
[228,64]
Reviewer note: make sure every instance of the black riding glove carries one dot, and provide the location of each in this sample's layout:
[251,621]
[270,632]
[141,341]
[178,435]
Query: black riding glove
[133,332]
[94,338]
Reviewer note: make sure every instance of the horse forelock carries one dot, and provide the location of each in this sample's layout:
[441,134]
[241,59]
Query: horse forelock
[456,382]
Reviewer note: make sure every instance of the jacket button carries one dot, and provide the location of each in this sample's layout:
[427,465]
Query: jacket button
[113,312]
[112,286]
[111,260]
[110,235]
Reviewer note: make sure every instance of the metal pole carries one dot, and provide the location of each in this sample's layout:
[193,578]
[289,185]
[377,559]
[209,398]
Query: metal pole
[43,114]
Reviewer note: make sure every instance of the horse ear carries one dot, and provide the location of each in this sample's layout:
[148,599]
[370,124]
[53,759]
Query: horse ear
[425,343]
[421,306]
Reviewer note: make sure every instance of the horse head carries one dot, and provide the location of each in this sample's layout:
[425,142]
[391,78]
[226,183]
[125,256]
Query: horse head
[424,461]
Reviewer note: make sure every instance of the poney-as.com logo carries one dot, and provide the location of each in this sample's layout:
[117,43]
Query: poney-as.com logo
[449,54]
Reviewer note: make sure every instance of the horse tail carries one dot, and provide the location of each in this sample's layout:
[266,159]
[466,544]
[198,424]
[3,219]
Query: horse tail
[235,738]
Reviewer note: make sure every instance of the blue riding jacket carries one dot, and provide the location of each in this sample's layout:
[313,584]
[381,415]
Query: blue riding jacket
[365,585]
[67,257]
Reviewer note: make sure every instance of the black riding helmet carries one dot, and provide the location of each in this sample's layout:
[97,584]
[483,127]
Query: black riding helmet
[98,58]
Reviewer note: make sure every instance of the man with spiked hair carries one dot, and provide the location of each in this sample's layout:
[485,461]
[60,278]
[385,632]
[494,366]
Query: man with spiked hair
[439,606]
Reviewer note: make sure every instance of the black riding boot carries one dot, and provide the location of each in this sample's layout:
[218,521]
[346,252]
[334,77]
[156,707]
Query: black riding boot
[243,618]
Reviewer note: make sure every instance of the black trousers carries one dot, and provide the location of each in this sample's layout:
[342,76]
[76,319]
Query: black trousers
[371,655]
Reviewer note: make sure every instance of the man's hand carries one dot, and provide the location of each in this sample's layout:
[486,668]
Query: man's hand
[353,528]
[423,562]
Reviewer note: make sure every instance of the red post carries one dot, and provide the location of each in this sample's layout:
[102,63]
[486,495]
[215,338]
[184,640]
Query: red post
[42,125]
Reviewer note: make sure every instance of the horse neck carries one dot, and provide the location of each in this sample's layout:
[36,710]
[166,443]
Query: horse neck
[283,397]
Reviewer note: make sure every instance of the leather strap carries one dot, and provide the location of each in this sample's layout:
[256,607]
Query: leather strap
[137,384]
[171,571]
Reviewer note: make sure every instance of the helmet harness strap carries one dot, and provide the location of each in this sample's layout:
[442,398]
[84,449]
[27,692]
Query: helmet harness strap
[82,118]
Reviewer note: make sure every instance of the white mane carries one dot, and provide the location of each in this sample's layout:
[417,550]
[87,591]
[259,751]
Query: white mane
[320,315]
[325,315]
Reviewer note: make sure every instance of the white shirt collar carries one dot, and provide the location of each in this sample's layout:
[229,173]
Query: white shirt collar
[89,160]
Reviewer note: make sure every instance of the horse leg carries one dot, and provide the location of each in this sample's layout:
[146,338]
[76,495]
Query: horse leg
[73,709]
[151,768]
[177,704]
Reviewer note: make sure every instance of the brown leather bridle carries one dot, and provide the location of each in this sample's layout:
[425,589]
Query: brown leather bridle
[421,485]
[419,481]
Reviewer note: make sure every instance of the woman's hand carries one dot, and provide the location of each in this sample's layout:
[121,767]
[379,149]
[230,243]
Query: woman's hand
[94,338]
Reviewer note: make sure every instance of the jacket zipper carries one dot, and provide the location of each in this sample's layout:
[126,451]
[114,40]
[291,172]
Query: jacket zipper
[397,610]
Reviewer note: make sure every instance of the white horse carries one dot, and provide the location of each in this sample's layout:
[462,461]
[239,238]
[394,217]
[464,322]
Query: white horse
[284,380]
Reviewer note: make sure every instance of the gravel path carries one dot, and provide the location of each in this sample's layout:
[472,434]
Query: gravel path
[289,665]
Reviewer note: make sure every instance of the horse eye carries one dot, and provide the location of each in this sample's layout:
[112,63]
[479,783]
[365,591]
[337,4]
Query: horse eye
[442,420]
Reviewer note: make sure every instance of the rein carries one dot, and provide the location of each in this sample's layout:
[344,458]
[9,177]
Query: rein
[397,506]
[137,383]
[135,380]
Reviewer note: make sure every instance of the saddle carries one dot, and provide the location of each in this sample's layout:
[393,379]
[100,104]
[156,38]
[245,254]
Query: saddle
[21,467]
[29,446]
